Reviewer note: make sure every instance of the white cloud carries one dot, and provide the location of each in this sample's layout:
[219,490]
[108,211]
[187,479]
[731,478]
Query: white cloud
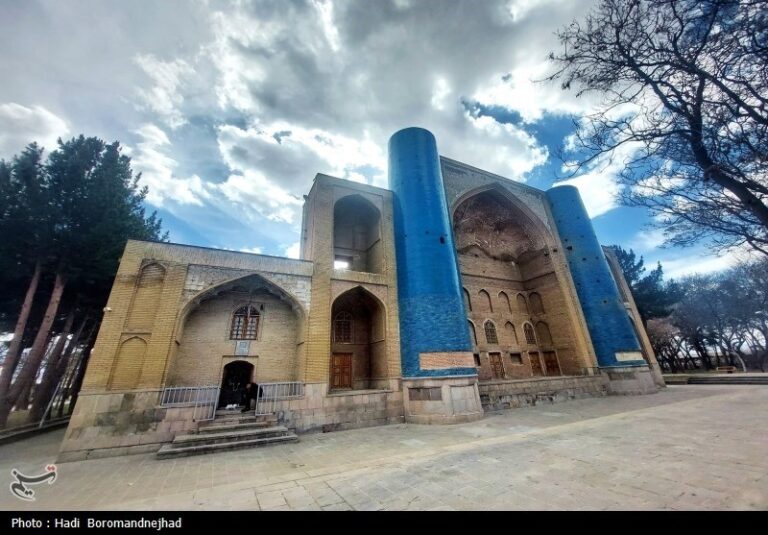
[243,103]
[157,171]
[647,240]
[259,195]
[440,93]
[598,190]
[292,154]
[252,250]
[506,149]
[164,97]
[293,250]
[524,91]
[21,125]
[325,9]
[519,9]
[675,268]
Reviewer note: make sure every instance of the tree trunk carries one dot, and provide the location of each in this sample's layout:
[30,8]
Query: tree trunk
[69,366]
[84,357]
[14,350]
[27,374]
[741,361]
[53,371]
[22,402]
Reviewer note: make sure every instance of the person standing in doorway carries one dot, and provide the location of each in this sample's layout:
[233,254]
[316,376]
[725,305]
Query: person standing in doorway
[249,394]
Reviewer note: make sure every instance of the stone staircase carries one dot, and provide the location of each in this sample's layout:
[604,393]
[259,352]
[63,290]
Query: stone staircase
[231,430]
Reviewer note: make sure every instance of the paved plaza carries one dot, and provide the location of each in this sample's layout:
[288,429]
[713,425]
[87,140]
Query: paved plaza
[687,447]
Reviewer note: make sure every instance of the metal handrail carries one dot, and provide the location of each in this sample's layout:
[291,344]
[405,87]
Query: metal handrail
[270,393]
[204,399]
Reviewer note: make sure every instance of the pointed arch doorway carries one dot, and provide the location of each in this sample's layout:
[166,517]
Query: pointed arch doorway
[358,342]
[235,376]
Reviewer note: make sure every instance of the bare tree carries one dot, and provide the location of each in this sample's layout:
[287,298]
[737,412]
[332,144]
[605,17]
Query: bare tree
[684,85]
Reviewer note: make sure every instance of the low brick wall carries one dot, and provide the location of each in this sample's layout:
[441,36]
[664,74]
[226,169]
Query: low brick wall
[320,412]
[500,395]
[121,423]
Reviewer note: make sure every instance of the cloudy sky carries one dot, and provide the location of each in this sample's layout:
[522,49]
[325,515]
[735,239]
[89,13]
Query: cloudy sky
[229,109]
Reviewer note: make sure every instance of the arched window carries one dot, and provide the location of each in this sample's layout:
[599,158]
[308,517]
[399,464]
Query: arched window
[245,324]
[545,336]
[530,336]
[537,306]
[472,332]
[342,328]
[467,300]
[485,297]
[504,298]
[522,305]
[490,333]
[511,334]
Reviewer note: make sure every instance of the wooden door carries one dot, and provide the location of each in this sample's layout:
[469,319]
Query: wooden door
[535,364]
[497,366]
[341,371]
[550,361]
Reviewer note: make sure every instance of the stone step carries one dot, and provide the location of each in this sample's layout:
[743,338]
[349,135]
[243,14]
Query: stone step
[233,418]
[737,380]
[272,420]
[169,452]
[234,426]
[228,436]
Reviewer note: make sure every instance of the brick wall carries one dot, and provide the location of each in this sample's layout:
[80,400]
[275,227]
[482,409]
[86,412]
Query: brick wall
[205,346]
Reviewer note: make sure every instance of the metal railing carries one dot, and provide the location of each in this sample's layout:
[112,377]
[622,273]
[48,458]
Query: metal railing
[204,399]
[270,393]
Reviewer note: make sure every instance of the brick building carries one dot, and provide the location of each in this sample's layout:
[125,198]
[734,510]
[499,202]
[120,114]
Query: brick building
[456,292]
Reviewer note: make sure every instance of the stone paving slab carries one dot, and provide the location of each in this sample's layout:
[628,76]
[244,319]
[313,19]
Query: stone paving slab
[685,448]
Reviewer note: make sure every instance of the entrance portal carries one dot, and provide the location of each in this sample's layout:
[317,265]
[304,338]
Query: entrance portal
[236,375]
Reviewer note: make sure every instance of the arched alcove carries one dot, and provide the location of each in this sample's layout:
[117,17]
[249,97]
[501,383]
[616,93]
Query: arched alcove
[126,369]
[357,235]
[537,305]
[484,298]
[501,242]
[149,286]
[522,305]
[472,332]
[511,334]
[491,336]
[467,300]
[358,345]
[505,303]
[250,318]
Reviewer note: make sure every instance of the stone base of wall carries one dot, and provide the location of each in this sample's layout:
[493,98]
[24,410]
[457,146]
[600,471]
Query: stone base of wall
[441,400]
[500,395]
[630,380]
[320,411]
[108,424]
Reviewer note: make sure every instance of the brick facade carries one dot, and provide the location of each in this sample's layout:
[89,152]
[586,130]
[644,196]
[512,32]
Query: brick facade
[168,321]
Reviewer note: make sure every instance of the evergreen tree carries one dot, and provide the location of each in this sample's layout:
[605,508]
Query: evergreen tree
[653,297]
[70,219]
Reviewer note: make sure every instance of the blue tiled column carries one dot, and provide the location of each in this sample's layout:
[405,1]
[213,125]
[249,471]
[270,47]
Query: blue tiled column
[607,320]
[432,316]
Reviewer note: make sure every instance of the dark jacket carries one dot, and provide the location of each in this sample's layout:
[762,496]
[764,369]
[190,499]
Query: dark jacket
[250,393]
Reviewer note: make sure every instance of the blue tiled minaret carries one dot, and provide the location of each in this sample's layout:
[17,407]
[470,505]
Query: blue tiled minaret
[607,320]
[432,316]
